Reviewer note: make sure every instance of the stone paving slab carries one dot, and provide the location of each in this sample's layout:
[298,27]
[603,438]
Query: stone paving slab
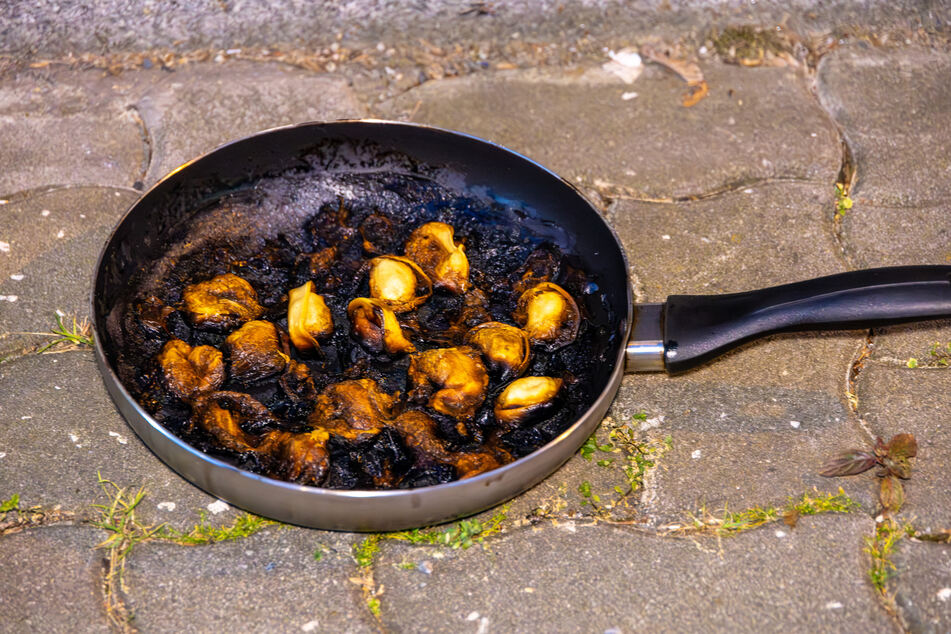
[54,239]
[923,585]
[197,108]
[748,239]
[884,100]
[577,578]
[49,581]
[268,582]
[60,429]
[754,125]
[67,131]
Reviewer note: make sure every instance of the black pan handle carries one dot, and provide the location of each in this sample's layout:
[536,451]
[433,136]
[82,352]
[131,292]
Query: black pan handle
[700,327]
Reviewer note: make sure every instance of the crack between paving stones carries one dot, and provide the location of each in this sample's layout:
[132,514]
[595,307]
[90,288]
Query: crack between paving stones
[146,137]
[26,194]
[612,192]
[37,519]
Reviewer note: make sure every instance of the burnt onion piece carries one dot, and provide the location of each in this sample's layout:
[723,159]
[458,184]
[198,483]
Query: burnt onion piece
[221,303]
[398,283]
[433,248]
[454,380]
[191,372]
[420,434]
[505,347]
[255,352]
[376,327]
[308,317]
[549,315]
[353,409]
[525,398]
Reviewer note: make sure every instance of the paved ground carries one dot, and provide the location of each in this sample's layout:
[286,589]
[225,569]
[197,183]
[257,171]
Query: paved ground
[735,192]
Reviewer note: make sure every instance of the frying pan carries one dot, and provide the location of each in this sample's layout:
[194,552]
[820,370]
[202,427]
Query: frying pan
[673,336]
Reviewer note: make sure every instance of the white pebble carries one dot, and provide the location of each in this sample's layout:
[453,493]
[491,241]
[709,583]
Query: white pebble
[747,191]
[118,437]
[794,424]
[944,594]
[472,616]
[45,213]
[780,534]
[4,247]
[3,455]
[310,626]
[627,96]
[16,277]
[9,298]
[696,454]
[166,506]
[25,417]
[61,234]
[74,438]
[834,605]
[665,237]
[218,507]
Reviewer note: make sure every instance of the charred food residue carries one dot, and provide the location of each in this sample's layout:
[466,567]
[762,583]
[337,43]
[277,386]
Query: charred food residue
[385,352]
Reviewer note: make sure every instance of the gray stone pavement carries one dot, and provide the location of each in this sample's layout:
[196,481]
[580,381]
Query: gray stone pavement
[733,193]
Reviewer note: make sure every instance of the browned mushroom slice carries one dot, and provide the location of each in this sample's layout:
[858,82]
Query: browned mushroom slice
[222,302]
[301,458]
[190,372]
[225,415]
[398,283]
[419,433]
[353,409]
[432,247]
[457,372]
[549,315]
[376,327]
[255,352]
[308,317]
[525,398]
[505,347]
[297,382]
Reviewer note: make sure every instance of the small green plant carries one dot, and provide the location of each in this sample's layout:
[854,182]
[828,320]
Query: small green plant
[938,357]
[203,533]
[879,548]
[374,604]
[80,334]
[892,459]
[365,551]
[12,504]
[842,201]
[734,522]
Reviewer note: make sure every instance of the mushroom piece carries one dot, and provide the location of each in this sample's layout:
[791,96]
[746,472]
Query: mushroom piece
[191,372]
[549,315]
[353,409]
[301,458]
[524,398]
[419,433]
[221,303]
[308,317]
[505,347]
[255,352]
[398,283]
[233,419]
[459,375]
[377,327]
[432,247]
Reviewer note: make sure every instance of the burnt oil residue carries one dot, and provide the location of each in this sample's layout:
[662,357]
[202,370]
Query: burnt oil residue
[324,226]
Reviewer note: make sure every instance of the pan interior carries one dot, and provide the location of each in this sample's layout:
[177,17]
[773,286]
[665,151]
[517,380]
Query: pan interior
[266,188]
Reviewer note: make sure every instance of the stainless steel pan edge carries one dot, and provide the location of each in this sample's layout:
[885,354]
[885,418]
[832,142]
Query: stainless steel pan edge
[385,510]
